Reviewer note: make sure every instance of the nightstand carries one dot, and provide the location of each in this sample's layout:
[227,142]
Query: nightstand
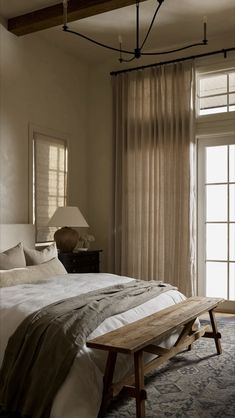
[81,262]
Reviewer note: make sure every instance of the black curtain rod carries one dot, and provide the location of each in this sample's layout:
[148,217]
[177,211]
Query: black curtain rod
[221,51]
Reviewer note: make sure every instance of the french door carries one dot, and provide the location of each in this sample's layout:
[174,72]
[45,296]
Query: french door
[216,217]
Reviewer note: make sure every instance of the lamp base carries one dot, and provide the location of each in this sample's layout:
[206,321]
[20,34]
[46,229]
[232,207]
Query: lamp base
[66,239]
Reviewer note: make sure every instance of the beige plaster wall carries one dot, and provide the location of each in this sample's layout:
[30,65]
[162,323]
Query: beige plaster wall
[42,85]
[100,162]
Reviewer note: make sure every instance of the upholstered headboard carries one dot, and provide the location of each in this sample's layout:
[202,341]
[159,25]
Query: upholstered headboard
[12,234]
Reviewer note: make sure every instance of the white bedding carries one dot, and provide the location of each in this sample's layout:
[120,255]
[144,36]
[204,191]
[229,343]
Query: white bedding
[80,395]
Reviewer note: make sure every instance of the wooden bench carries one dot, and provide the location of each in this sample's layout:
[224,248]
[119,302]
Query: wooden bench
[139,336]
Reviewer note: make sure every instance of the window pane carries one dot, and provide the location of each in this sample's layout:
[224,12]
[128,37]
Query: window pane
[213,85]
[232,281]
[232,81]
[216,203]
[216,164]
[216,280]
[232,99]
[215,110]
[217,93]
[50,182]
[231,162]
[217,104]
[231,102]
[232,242]
[61,162]
[216,242]
[53,156]
[232,202]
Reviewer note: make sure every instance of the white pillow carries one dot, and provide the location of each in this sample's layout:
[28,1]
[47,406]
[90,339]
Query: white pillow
[34,257]
[12,258]
[31,274]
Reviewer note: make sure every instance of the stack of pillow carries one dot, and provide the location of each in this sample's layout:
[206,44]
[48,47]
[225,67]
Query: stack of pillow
[20,265]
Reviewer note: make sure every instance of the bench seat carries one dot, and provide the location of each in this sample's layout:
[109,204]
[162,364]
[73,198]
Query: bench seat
[141,336]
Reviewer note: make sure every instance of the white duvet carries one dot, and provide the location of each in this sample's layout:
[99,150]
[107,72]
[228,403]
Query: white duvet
[80,395]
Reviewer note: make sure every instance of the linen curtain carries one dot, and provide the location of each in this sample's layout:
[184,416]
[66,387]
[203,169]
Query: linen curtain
[154,202]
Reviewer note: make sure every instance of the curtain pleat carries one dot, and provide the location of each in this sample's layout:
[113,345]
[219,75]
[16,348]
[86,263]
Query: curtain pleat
[154,194]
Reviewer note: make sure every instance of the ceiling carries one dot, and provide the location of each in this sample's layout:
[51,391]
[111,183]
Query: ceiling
[178,23]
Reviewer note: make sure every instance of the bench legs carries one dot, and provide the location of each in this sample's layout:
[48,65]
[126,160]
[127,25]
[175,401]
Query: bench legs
[138,392]
[215,332]
[139,384]
[107,382]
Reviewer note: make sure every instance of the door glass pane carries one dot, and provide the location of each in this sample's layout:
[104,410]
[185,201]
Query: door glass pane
[216,279]
[232,81]
[232,242]
[231,162]
[232,281]
[232,99]
[216,242]
[216,164]
[232,202]
[216,203]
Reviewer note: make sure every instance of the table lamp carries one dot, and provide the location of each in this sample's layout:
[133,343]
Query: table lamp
[66,238]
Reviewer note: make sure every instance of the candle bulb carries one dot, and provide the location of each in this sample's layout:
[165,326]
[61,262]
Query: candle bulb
[120,46]
[65,9]
[204,28]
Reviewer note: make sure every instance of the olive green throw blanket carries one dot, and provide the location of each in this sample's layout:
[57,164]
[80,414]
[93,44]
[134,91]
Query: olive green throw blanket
[42,349]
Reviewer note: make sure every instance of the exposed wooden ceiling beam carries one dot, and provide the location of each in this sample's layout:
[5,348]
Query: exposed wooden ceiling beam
[53,15]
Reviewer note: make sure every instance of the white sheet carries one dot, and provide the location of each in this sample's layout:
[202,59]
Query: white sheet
[80,395]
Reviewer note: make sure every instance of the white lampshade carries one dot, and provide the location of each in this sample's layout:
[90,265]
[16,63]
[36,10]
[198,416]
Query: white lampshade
[68,216]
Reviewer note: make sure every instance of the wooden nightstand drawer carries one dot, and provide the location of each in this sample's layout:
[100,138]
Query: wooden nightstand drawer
[81,262]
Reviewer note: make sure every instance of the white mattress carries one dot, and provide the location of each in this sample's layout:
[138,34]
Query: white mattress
[74,398]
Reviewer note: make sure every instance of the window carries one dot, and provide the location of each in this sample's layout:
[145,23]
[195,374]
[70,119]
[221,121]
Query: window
[216,92]
[49,175]
[216,189]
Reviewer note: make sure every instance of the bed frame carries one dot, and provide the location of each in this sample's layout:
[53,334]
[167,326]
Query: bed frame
[139,336]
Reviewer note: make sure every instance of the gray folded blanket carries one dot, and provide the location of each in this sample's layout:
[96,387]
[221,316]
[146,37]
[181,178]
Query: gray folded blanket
[40,353]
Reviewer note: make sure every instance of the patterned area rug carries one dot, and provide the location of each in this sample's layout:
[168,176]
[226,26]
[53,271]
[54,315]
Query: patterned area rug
[194,384]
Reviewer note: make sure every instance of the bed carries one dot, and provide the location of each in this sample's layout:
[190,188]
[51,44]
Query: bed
[74,399]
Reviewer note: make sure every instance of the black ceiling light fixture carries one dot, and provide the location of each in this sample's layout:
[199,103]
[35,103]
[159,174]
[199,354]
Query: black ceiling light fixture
[137,52]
